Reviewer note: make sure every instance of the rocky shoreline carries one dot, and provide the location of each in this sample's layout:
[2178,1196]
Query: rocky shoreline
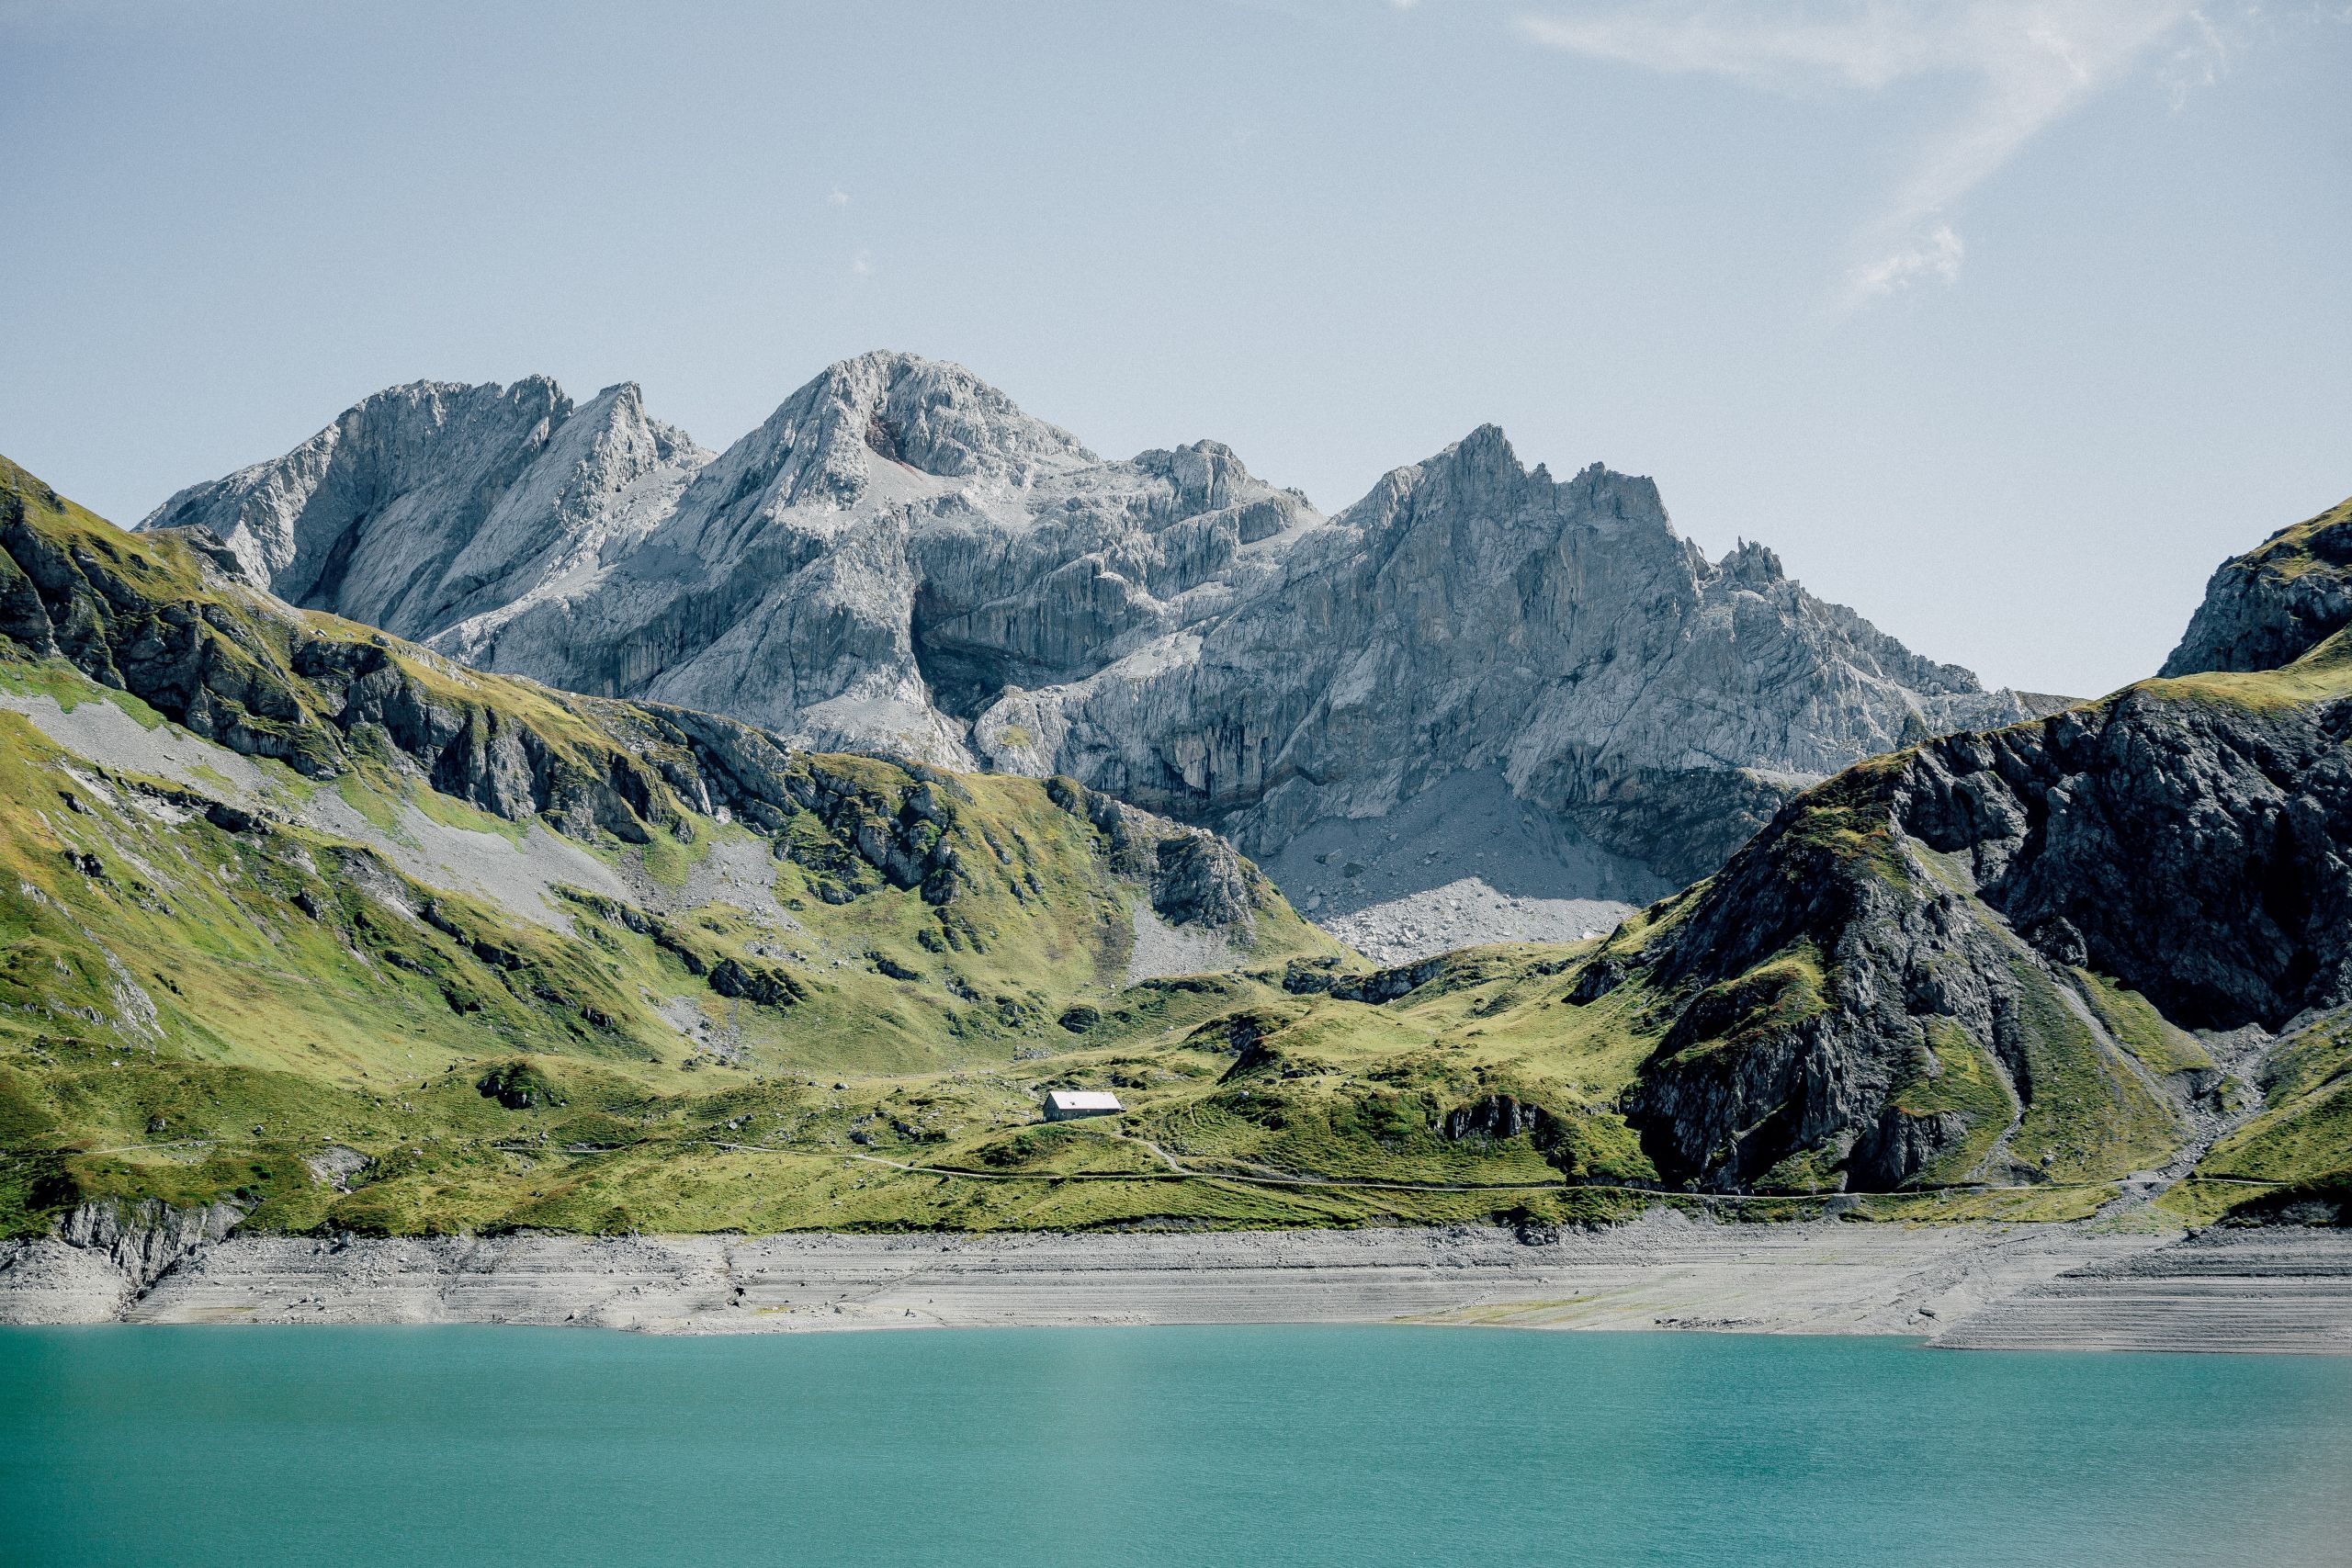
[2014,1287]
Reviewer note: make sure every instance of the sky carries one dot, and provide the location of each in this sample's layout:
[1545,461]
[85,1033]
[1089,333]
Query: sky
[2002,320]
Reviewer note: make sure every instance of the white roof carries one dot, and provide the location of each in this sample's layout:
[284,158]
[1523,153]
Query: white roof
[1082,1099]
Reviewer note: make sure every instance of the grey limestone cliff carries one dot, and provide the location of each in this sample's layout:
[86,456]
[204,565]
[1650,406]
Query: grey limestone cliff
[430,502]
[899,559]
[1472,614]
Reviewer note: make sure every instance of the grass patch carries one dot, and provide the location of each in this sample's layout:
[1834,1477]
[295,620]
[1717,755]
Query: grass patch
[2031,1206]
[1952,1074]
[451,812]
[2139,1028]
[2087,1117]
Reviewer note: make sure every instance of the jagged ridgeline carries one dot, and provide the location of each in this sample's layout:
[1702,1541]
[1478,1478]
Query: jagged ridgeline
[900,558]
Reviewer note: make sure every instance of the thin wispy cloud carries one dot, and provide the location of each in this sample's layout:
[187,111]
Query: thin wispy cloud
[1936,256]
[2032,62]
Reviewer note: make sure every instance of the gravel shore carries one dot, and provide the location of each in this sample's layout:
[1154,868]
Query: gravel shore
[1974,1286]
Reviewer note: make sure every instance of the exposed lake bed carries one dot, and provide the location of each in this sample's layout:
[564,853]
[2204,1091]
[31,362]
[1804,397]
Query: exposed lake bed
[2015,1286]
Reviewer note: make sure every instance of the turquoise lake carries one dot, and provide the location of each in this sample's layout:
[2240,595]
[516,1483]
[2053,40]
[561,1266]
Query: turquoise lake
[1211,1446]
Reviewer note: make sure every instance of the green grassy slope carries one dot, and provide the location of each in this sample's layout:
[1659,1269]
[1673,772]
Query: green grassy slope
[222,957]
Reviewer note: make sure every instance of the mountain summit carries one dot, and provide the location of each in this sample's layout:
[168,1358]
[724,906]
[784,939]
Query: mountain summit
[900,559]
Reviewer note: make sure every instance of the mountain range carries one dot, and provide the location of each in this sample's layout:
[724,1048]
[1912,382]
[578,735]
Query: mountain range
[1570,701]
[310,927]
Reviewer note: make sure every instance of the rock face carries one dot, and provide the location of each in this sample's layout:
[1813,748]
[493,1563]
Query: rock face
[1913,972]
[100,1255]
[900,559]
[2263,609]
[1195,876]
[2199,850]
[147,1237]
[431,503]
[1471,614]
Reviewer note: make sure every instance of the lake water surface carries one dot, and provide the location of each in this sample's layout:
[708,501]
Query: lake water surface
[1350,1447]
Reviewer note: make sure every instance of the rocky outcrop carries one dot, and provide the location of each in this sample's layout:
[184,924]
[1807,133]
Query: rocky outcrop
[768,987]
[1496,1116]
[101,1255]
[1900,964]
[520,1085]
[146,1238]
[1196,877]
[2197,847]
[1199,880]
[899,559]
[2268,607]
[1821,975]
[1383,986]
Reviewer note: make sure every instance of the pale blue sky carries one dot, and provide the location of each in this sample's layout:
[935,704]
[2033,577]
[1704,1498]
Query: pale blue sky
[2002,320]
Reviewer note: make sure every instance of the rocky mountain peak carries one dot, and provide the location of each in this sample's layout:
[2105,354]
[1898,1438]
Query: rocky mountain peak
[1751,565]
[898,559]
[622,406]
[881,430]
[427,502]
[925,415]
[941,418]
[1481,465]
[1480,477]
[1203,476]
[2269,606]
[285,518]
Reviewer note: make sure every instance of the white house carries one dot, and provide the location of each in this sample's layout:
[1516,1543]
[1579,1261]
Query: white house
[1062,1104]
